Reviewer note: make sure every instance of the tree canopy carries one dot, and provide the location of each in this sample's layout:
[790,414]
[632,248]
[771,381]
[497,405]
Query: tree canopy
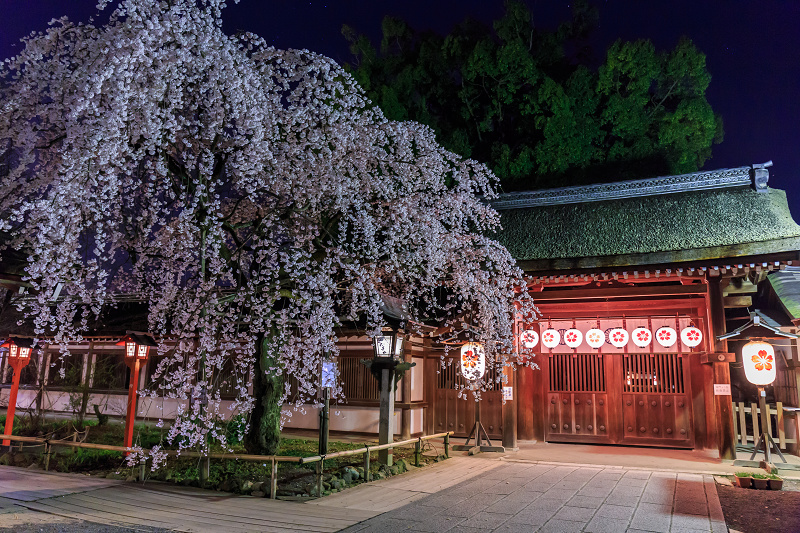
[536,106]
[252,197]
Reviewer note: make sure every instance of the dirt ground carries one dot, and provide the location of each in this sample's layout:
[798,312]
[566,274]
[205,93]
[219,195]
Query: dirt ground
[762,511]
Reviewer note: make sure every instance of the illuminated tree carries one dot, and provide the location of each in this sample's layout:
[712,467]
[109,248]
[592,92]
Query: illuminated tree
[252,197]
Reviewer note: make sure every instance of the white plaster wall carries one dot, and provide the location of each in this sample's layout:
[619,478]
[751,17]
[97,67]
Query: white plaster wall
[345,419]
[349,419]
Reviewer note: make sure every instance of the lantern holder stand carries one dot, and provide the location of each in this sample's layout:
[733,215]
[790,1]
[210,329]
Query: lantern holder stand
[765,442]
[480,434]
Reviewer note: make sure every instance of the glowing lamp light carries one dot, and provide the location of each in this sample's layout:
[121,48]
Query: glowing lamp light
[388,345]
[473,361]
[529,338]
[18,349]
[759,362]
[137,346]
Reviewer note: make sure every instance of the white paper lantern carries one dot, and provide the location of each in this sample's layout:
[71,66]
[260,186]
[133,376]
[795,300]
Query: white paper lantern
[618,337]
[573,338]
[473,361]
[595,338]
[529,338]
[691,336]
[641,337]
[666,336]
[551,338]
[759,362]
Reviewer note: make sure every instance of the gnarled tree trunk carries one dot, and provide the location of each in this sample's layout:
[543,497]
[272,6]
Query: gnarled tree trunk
[265,420]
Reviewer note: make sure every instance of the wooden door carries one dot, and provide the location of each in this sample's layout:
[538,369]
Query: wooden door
[577,399]
[656,400]
[452,413]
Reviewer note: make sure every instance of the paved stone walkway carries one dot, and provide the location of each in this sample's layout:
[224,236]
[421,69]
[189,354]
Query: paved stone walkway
[517,497]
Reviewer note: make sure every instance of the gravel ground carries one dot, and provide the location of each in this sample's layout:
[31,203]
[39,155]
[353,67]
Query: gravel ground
[761,511]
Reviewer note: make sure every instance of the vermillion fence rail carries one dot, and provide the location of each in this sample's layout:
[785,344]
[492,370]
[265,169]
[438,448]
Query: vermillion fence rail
[742,411]
[272,459]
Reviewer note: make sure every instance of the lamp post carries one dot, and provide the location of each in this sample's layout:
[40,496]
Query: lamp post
[387,351]
[137,350]
[758,358]
[19,355]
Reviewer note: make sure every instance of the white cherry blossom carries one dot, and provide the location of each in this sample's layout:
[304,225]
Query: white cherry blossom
[242,192]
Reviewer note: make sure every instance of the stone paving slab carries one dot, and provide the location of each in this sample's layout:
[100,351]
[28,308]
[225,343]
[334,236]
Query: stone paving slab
[517,497]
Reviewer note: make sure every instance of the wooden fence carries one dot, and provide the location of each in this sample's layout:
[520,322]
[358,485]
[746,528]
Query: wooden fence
[742,412]
[272,459]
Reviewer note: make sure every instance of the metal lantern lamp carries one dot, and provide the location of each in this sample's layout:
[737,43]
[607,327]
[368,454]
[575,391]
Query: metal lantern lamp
[19,355]
[758,358]
[137,350]
[387,356]
[387,346]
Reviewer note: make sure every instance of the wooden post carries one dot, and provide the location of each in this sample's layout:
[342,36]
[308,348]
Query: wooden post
[367,475]
[447,446]
[743,423]
[12,403]
[765,429]
[130,417]
[385,424]
[47,450]
[417,451]
[405,412]
[142,469]
[726,434]
[205,470]
[319,478]
[324,418]
[509,410]
[273,480]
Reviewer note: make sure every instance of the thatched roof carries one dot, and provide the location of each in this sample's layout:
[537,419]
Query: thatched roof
[689,222]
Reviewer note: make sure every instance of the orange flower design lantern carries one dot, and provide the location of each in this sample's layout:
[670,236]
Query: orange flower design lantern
[473,361]
[759,362]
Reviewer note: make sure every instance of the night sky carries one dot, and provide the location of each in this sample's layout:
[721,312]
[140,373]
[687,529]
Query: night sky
[752,49]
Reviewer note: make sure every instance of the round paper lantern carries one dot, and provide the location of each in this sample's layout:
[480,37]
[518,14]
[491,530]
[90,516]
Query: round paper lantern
[473,361]
[641,337]
[529,338]
[759,362]
[551,338]
[618,337]
[573,338]
[691,336]
[595,338]
[666,336]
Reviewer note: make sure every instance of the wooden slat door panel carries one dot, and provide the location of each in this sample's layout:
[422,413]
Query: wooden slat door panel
[577,400]
[656,408]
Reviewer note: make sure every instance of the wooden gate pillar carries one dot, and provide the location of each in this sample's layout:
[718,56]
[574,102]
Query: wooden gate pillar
[510,410]
[726,433]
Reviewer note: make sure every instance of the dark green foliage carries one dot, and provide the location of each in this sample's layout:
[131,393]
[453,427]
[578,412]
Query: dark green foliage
[236,430]
[81,460]
[534,105]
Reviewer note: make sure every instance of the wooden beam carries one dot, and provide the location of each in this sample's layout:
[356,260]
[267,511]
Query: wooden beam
[708,358]
[740,287]
[732,302]
[621,292]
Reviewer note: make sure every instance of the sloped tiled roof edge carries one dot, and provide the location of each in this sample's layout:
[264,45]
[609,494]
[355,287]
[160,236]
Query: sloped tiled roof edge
[786,285]
[697,181]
